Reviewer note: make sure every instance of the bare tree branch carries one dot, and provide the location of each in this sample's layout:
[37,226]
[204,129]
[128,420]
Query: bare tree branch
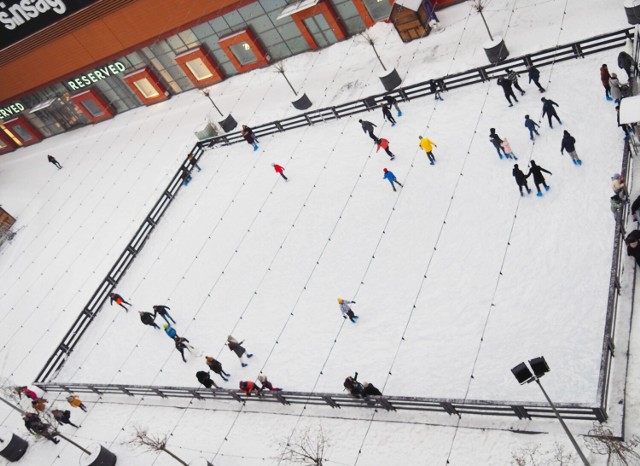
[151,442]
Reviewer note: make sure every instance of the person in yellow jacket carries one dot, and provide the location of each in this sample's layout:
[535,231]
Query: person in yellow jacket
[427,145]
[74,401]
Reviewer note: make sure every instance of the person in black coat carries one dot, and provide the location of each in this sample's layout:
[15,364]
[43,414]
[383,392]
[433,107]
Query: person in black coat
[538,177]
[353,386]
[163,311]
[434,88]
[386,113]
[36,426]
[181,345]
[148,319]
[371,390]
[513,77]
[496,141]
[633,245]
[508,91]
[635,207]
[249,136]
[216,367]
[53,160]
[534,76]
[205,379]
[367,127]
[569,144]
[63,417]
[236,346]
[392,101]
[521,179]
[626,63]
[549,110]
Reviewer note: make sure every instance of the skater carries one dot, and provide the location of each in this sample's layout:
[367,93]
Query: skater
[148,319]
[28,393]
[370,390]
[549,110]
[616,205]
[120,301]
[34,424]
[619,186]
[205,379]
[507,149]
[170,331]
[521,179]
[513,77]
[237,348]
[53,160]
[74,401]
[39,405]
[181,345]
[635,207]
[383,143]
[249,387]
[386,113]
[633,245]
[627,64]
[347,311]
[508,92]
[193,161]
[267,385]
[534,76]
[367,127]
[434,88]
[388,175]
[496,141]
[280,170]
[216,367]
[163,311]
[604,79]
[392,101]
[569,144]
[63,417]
[531,126]
[185,175]
[427,145]
[353,386]
[250,137]
[616,88]
[538,177]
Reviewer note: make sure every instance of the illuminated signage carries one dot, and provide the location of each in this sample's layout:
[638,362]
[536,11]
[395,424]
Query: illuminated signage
[11,110]
[96,75]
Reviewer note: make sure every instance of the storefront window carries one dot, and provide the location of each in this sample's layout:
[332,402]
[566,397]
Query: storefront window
[22,133]
[146,88]
[243,53]
[91,107]
[199,69]
[2,144]
[350,17]
[378,9]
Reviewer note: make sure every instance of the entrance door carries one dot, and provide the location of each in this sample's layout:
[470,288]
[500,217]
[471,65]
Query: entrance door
[320,30]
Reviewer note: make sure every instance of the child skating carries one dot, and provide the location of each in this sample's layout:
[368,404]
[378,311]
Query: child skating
[347,311]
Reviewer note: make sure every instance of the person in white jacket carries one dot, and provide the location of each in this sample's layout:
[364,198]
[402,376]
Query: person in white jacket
[346,310]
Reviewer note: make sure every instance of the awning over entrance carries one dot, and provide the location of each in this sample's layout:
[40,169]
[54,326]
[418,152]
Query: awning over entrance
[296,7]
[43,105]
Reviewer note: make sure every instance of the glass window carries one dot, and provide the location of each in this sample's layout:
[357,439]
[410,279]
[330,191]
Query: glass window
[273,5]
[2,144]
[251,11]
[188,37]
[270,38]
[201,31]
[289,31]
[199,69]
[298,45]
[228,68]
[279,51]
[176,44]
[92,108]
[243,53]
[146,88]
[22,133]
[220,26]
[354,25]
[233,19]
[378,9]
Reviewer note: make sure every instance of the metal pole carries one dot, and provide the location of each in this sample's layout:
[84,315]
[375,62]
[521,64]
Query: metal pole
[213,103]
[564,426]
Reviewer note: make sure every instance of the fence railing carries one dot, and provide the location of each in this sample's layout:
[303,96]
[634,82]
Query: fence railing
[521,410]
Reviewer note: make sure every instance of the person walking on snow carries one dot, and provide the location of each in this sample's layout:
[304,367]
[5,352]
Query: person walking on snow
[267,385]
[619,187]
[427,145]
[521,179]
[538,177]
[383,143]
[386,113]
[633,245]
[531,126]
[250,137]
[616,88]
[279,170]
[354,387]
[434,88]
[249,387]
[163,311]
[367,127]
[237,348]
[148,319]
[63,417]
[205,379]
[346,309]
[216,367]
[392,101]
[626,63]
[569,144]
[35,425]
[74,401]
[534,76]
[496,141]
[170,331]
[635,208]
[604,79]
[53,160]
[28,393]
[193,161]
[513,77]
[388,175]
[507,149]
[549,110]
[120,301]
[181,345]
[508,92]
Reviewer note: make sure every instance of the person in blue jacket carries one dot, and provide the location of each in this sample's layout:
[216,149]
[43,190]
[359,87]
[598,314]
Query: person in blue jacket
[388,175]
[531,126]
[170,331]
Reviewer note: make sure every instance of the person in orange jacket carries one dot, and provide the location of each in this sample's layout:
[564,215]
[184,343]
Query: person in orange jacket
[39,404]
[74,401]
[383,143]
[248,387]
[280,170]
[120,301]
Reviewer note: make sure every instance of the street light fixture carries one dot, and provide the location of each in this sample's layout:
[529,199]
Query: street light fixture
[206,92]
[540,367]
[228,123]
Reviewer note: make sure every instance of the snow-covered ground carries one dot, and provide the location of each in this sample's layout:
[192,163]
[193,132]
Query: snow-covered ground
[456,277]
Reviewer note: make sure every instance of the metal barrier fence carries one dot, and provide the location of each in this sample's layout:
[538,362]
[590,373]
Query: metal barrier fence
[521,410]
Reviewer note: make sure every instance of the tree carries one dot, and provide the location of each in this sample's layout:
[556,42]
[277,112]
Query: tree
[153,442]
[533,455]
[600,440]
[280,69]
[369,40]
[307,448]
[479,6]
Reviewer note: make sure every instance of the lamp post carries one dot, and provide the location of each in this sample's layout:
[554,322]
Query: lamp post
[540,367]
[206,92]
[228,123]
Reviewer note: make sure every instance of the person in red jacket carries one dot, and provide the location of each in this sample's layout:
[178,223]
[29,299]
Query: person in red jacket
[29,393]
[280,170]
[120,301]
[383,143]
[248,387]
[604,78]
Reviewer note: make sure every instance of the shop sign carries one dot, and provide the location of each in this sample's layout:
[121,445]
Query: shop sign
[11,110]
[21,18]
[96,75]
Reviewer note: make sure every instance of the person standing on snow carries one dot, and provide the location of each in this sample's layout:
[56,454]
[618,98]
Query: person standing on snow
[35,425]
[392,101]
[635,208]
[237,348]
[267,385]
[250,137]
[619,187]
[513,77]
[163,311]
[74,401]
[205,379]
[28,393]
[63,417]
[388,175]
[170,331]
[531,126]
[604,79]
[367,127]
[521,179]
[386,113]
[626,63]
[249,387]
[279,170]
[434,88]
[193,161]
[120,301]
[538,177]
[53,160]
[383,143]
[148,319]
[354,387]
[427,145]
[216,367]
[569,144]
[507,149]
[496,141]
[633,245]
[181,345]
[508,92]
[616,88]
[534,76]
[346,309]
[549,110]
